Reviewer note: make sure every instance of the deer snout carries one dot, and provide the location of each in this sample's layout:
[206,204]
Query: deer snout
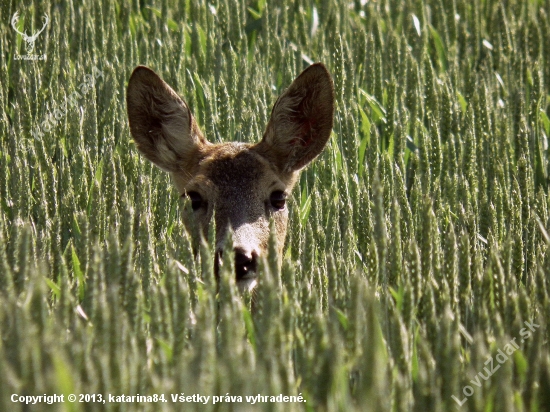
[245,264]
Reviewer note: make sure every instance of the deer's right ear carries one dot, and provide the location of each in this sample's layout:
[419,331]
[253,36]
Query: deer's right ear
[160,122]
[301,120]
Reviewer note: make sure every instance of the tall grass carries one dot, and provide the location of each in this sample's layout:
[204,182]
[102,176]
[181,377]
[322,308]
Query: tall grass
[418,243]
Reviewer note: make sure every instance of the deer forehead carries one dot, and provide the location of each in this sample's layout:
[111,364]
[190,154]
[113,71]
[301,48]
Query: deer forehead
[233,170]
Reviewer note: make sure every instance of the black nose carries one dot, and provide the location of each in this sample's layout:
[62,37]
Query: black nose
[245,264]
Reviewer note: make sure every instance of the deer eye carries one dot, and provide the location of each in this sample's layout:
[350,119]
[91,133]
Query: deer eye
[196,200]
[278,199]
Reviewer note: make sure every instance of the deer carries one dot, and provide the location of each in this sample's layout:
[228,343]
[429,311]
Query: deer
[30,40]
[242,186]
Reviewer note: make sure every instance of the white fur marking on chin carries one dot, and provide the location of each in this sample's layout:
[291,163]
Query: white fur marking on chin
[247,284]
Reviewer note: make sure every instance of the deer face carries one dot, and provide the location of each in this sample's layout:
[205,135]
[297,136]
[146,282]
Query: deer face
[243,191]
[241,186]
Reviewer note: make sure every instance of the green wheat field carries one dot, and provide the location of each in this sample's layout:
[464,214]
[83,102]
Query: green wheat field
[416,275]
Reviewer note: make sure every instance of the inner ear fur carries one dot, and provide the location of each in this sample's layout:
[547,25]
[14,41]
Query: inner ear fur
[301,120]
[161,123]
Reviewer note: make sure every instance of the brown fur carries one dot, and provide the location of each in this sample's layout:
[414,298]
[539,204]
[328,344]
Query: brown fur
[235,180]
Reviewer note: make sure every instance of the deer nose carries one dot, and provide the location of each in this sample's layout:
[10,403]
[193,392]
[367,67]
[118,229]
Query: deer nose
[245,264]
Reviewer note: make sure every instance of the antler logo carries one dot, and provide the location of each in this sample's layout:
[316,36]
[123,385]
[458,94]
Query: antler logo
[29,39]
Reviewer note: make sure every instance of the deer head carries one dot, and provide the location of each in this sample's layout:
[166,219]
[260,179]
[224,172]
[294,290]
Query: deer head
[243,186]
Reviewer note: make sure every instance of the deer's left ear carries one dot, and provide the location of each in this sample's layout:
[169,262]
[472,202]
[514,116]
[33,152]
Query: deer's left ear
[162,125]
[301,121]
